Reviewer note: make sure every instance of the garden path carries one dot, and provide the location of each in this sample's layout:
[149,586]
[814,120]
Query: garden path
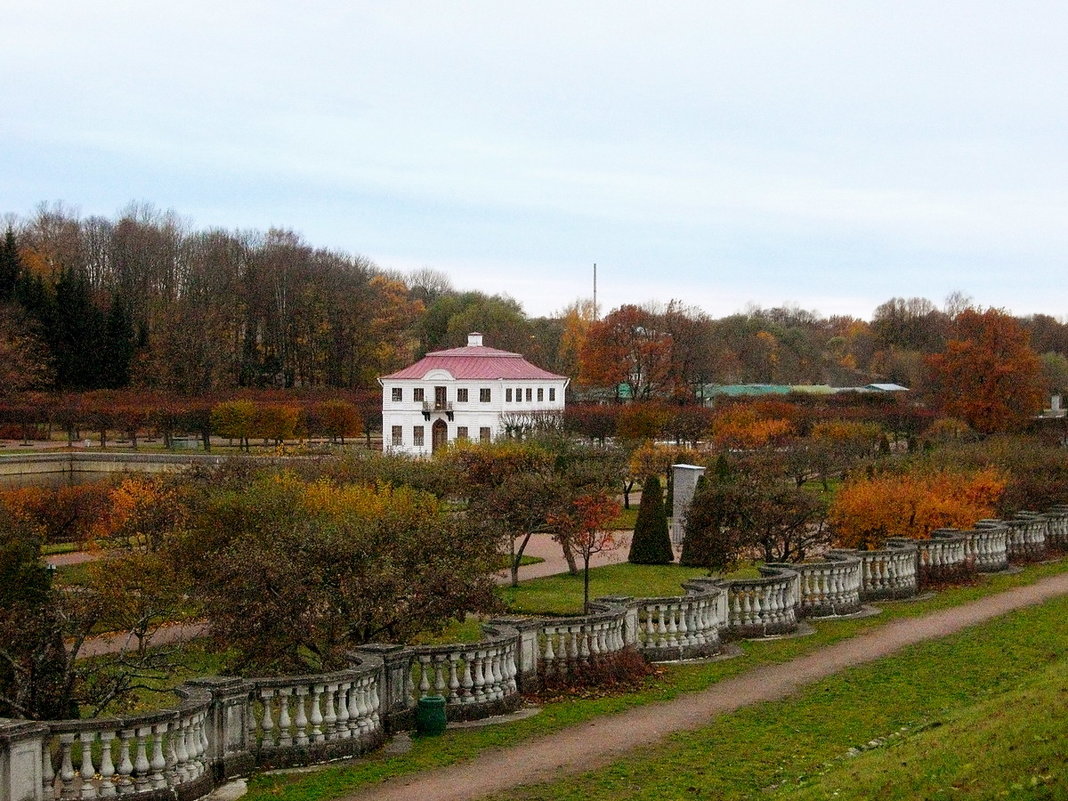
[600,741]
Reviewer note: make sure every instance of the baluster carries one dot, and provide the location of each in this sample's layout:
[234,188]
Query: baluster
[479,678]
[284,723]
[316,714]
[88,771]
[548,655]
[142,767]
[343,732]
[159,761]
[672,629]
[301,721]
[374,701]
[454,682]
[357,700]
[48,771]
[182,771]
[66,767]
[267,721]
[330,718]
[467,683]
[424,679]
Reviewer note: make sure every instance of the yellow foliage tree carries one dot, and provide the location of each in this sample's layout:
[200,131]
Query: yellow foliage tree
[868,510]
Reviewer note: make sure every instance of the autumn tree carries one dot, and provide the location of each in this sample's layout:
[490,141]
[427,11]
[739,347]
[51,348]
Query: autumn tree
[25,360]
[627,349]
[235,420]
[867,510]
[339,419]
[988,375]
[294,574]
[581,529]
[704,543]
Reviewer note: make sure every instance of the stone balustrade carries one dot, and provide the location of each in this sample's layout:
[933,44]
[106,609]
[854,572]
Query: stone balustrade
[165,751]
[1057,530]
[686,627]
[225,727]
[764,606]
[886,573]
[1026,540]
[568,643]
[327,715]
[475,679]
[831,587]
[987,548]
[942,558]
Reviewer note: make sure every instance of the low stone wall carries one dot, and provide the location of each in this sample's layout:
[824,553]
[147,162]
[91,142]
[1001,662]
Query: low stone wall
[226,727]
[84,462]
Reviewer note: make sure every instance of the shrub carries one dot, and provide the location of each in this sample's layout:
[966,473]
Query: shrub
[651,544]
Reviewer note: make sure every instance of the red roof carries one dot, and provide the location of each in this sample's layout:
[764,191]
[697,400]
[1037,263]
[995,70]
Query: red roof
[475,362]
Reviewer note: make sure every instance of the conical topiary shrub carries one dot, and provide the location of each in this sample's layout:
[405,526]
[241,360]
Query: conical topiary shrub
[651,544]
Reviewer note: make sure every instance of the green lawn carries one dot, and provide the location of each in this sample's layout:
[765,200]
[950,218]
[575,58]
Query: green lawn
[974,715]
[457,745]
[562,594]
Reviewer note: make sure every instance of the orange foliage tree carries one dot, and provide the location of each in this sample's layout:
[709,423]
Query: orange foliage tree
[743,426]
[626,347]
[581,530]
[868,510]
[988,375]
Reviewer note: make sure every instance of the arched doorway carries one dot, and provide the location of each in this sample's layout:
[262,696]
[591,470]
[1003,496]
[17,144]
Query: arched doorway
[439,435]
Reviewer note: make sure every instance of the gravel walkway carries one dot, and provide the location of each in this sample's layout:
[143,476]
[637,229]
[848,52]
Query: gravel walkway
[603,740]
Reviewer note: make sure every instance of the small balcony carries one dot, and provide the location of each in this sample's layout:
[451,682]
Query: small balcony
[430,407]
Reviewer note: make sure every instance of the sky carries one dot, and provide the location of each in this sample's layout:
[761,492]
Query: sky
[828,155]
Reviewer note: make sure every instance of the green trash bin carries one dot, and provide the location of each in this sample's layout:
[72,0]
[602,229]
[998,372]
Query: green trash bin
[430,715]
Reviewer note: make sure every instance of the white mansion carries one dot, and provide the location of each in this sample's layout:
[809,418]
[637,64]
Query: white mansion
[463,393]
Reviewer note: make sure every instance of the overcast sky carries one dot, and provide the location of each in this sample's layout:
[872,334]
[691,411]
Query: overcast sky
[826,154]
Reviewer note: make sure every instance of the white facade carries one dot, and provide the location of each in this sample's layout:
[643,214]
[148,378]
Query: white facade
[470,392]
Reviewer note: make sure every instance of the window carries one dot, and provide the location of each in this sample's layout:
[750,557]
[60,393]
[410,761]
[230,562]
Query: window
[417,436]
[397,433]
[552,393]
[518,394]
[530,394]
[461,396]
[484,395]
[417,394]
[461,432]
[508,395]
[541,394]
[484,434]
[398,394]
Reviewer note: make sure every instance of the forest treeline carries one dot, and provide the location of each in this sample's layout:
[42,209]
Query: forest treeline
[145,300]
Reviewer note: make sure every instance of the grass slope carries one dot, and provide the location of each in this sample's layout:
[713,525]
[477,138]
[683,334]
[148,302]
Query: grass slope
[952,718]
[458,745]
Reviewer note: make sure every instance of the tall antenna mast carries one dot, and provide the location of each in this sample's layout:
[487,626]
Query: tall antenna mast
[595,315]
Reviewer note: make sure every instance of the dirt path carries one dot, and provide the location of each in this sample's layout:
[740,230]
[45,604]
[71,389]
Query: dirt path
[603,740]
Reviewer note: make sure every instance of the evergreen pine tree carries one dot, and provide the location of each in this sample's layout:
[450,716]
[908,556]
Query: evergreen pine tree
[651,544]
[10,267]
[77,334]
[119,345]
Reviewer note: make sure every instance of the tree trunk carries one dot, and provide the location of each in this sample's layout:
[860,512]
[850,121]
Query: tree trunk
[569,556]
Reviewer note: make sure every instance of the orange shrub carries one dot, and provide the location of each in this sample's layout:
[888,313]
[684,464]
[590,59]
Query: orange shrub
[868,510]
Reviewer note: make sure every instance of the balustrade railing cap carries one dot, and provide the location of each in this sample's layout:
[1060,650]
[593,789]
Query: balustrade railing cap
[218,682]
[14,729]
[517,622]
